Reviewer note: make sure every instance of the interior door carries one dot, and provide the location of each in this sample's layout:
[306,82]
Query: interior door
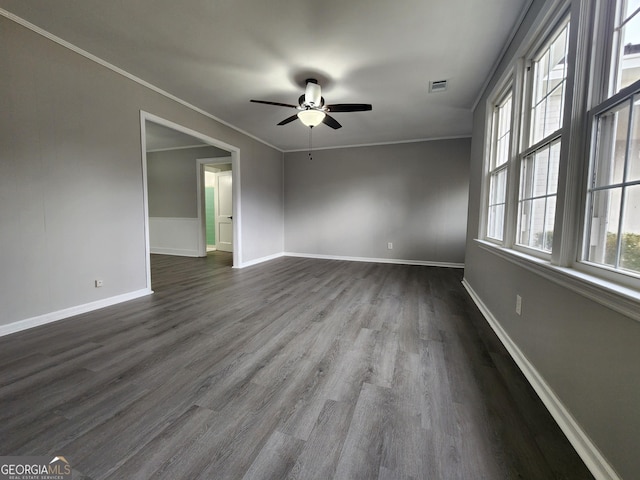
[224,212]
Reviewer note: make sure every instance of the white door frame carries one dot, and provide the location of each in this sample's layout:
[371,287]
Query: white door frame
[220,218]
[235,189]
[202,221]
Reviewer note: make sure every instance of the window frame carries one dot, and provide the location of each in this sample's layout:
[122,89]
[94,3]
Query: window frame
[601,99]
[623,277]
[609,17]
[589,51]
[507,88]
[541,43]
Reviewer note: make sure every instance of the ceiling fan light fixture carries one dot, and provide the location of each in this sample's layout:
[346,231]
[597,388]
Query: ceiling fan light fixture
[312,110]
[311,118]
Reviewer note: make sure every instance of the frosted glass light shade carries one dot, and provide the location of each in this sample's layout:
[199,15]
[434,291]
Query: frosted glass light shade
[311,118]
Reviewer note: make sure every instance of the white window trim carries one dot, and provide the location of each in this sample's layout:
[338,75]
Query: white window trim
[629,279]
[507,83]
[573,175]
[549,26]
[513,182]
[563,266]
[612,295]
[595,100]
[543,26]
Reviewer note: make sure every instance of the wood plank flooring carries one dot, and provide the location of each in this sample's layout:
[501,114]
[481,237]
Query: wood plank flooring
[292,369]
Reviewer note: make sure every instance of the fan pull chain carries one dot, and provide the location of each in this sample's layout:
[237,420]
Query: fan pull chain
[310,156]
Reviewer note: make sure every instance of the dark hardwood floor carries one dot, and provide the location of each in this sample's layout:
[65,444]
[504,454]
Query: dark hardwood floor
[296,368]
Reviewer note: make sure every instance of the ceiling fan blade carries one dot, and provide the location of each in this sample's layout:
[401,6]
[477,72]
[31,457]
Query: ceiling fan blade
[289,119]
[277,104]
[331,122]
[349,107]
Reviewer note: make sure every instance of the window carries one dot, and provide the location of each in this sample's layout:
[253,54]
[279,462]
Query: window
[625,55]
[498,168]
[524,140]
[612,223]
[540,159]
[538,190]
[568,108]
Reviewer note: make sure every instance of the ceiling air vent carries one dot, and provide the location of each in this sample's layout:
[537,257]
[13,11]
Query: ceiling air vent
[437,86]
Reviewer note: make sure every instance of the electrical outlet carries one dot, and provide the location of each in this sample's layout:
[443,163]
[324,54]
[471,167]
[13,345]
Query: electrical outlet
[518,304]
[389,246]
[99,283]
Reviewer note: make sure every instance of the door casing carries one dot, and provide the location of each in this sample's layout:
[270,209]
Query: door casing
[236,185]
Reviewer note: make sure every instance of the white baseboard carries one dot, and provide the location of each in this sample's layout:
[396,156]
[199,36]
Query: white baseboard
[397,261]
[179,252]
[70,312]
[588,451]
[259,260]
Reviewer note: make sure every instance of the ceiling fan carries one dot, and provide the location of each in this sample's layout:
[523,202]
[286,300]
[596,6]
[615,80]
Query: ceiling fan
[312,109]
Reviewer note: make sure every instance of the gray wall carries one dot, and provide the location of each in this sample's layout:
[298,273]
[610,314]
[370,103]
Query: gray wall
[588,354]
[171,180]
[71,193]
[352,201]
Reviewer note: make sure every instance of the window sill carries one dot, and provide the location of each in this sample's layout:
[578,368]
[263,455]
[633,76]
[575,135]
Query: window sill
[623,300]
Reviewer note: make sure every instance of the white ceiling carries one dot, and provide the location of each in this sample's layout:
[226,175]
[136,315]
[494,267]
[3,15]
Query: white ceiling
[218,54]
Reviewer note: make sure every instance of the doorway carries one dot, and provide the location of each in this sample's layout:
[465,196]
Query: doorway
[210,208]
[215,193]
[186,138]
[224,212]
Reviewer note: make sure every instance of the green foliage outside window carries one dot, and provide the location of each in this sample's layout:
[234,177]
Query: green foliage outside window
[630,254]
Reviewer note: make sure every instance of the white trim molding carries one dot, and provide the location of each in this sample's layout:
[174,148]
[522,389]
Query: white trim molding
[257,261]
[236,175]
[621,299]
[171,149]
[584,446]
[20,325]
[396,261]
[382,144]
[503,53]
[124,73]
[176,252]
